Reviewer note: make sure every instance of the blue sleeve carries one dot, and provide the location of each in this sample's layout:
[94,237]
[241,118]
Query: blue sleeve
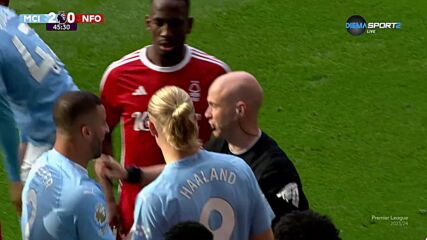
[92,220]
[9,140]
[263,215]
[149,223]
[23,137]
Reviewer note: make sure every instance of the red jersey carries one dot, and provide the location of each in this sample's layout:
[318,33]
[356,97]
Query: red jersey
[126,89]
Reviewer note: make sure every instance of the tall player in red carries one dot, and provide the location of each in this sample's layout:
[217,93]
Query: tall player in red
[128,84]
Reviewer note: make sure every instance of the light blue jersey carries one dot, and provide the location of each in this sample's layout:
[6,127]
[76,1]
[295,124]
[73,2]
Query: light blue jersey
[217,190]
[60,201]
[31,79]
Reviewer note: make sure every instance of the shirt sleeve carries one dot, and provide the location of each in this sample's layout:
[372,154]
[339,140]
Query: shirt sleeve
[149,222]
[9,139]
[109,96]
[282,187]
[262,213]
[92,220]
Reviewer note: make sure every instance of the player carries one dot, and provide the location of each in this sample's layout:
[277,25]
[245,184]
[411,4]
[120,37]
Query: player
[60,200]
[218,190]
[128,84]
[31,79]
[234,102]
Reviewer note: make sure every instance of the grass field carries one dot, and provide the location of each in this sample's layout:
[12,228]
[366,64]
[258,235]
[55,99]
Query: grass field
[349,111]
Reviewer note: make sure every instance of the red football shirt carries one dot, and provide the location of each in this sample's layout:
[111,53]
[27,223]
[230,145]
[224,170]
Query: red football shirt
[126,88]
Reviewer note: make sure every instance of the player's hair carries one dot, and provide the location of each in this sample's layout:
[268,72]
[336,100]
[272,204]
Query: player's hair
[187,3]
[71,106]
[173,111]
[305,225]
[187,231]
[4,2]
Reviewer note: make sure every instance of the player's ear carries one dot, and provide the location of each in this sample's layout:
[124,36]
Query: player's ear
[152,128]
[148,22]
[190,24]
[85,131]
[240,108]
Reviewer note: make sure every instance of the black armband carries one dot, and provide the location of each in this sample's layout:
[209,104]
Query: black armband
[135,175]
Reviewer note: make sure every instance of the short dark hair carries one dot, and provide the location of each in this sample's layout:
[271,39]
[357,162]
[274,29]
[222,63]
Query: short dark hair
[305,225]
[71,106]
[187,2]
[188,231]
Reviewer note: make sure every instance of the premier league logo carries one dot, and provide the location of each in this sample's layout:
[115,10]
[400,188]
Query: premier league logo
[62,18]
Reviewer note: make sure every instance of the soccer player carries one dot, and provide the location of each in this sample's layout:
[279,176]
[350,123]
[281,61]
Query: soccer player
[60,200]
[234,101]
[31,79]
[305,225]
[128,84]
[218,190]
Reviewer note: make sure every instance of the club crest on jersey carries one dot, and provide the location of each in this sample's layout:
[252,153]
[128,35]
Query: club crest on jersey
[194,91]
[100,214]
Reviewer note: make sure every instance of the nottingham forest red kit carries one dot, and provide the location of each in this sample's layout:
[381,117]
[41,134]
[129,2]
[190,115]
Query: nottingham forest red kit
[126,89]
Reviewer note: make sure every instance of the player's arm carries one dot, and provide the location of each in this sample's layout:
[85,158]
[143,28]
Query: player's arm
[283,190]
[91,213]
[108,96]
[107,168]
[9,142]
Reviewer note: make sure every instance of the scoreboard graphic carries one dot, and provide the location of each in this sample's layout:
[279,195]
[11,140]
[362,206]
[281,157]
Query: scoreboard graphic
[62,21]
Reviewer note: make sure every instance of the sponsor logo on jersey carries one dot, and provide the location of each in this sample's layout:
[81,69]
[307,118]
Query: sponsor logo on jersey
[194,90]
[46,176]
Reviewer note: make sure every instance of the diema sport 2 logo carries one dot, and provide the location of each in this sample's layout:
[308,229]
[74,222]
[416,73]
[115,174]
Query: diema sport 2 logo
[356,25]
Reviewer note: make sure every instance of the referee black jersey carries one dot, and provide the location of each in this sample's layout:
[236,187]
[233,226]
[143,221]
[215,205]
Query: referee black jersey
[276,174]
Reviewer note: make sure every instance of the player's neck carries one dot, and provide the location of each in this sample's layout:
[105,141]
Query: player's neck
[165,60]
[172,155]
[241,142]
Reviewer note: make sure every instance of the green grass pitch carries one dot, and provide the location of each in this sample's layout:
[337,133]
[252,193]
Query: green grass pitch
[349,111]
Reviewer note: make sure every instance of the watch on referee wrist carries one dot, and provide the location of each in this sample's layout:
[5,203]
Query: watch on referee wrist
[135,174]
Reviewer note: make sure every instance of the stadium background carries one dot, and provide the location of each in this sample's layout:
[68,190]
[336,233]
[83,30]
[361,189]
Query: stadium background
[349,111]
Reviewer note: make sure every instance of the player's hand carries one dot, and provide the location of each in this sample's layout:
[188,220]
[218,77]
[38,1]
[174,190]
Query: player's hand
[15,195]
[106,167]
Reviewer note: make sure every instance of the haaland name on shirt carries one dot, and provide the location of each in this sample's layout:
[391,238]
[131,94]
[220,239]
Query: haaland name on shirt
[204,177]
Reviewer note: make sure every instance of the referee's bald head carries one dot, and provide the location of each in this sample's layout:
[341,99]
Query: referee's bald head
[240,85]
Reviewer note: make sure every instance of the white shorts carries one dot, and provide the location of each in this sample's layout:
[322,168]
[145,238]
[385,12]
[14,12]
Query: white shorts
[31,155]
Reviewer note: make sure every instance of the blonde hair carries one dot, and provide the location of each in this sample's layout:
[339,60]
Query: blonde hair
[173,111]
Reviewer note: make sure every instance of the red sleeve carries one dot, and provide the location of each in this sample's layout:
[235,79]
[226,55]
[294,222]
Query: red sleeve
[109,97]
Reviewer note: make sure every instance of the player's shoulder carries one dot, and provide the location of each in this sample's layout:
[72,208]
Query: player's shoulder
[226,160]
[123,64]
[6,14]
[207,59]
[153,196]
[86,192]
[125,61]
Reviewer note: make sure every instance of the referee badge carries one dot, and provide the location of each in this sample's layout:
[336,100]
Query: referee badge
[290,194]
